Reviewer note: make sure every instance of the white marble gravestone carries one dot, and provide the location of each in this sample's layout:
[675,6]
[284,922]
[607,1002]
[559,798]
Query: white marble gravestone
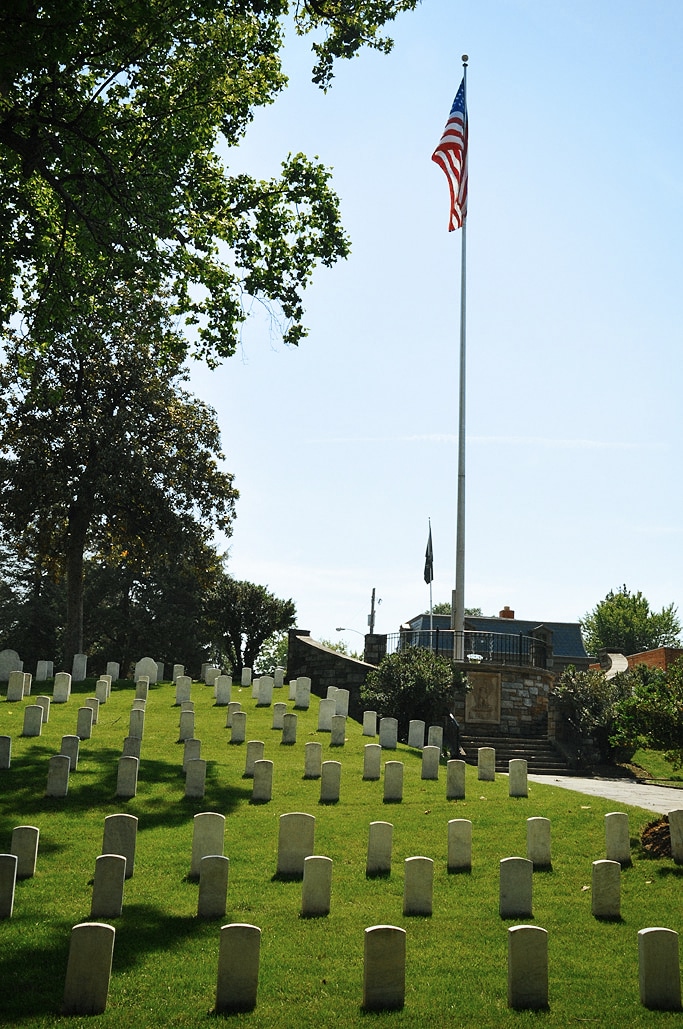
[88,971]
[384,968]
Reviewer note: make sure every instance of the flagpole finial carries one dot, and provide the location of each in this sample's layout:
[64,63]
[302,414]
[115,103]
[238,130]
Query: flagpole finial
[465,59]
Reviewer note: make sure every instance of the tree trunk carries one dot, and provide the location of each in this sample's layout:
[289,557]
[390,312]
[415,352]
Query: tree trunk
[75,548]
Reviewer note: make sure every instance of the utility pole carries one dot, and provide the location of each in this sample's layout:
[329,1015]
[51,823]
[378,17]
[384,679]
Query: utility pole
[371,616]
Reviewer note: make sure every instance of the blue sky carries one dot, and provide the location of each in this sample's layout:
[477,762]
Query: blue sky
[345,447]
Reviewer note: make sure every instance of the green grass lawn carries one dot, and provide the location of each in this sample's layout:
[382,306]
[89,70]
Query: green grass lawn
[653,765]
[165,959]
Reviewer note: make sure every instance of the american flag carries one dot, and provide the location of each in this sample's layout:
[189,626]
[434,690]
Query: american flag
[451,155]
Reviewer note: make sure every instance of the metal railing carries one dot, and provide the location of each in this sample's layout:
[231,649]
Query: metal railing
[473,647]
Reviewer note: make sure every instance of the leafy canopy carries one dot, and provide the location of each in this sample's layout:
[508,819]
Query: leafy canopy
[243,616]
[623,622]
[111,112]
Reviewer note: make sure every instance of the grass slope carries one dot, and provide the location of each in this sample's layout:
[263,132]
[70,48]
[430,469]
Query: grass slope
[165,958]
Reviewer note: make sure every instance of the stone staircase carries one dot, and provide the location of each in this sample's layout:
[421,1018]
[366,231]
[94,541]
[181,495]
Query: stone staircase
[541,755]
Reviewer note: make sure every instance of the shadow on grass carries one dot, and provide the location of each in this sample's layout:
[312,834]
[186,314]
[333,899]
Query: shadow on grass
[666,870]
[93,785]
[44,997]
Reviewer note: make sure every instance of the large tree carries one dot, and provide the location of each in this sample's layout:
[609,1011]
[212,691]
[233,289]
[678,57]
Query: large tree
[102,451]
[111,112]
[244,615]
[624,623]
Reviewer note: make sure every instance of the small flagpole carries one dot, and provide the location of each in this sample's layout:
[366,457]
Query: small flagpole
[459,597]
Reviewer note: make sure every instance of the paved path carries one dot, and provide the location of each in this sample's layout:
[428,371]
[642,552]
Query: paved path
[654,798]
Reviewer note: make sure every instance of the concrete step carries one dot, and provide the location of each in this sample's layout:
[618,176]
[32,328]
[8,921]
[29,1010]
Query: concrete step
[540,754]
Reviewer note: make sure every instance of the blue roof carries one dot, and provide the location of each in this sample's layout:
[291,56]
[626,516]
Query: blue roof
[567,639]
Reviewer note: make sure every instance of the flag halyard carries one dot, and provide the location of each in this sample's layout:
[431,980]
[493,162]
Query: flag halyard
[451,156]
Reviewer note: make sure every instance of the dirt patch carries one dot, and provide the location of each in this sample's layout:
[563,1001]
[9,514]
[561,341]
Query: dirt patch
[656,838]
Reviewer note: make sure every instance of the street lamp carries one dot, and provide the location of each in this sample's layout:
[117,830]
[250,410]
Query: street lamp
[340,628]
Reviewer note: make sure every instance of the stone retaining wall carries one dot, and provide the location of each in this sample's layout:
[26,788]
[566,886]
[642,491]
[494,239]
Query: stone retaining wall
[325,667]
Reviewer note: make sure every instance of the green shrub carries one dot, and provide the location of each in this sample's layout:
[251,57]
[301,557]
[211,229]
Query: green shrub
[413,683]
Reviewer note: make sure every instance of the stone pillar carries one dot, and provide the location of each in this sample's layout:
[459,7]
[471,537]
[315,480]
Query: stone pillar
[459,845]
[658,969]
[89,969]
[527,967]
[380,839]
[384,968]
[316,888]
[238,967]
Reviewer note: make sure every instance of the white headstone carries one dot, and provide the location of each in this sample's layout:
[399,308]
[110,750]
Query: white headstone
[262,792]
[107,891]
[369,723]
[9,662]
[147,668]
[435,736]
[676,833]
[302,698]
[342,702]
[316,889]
[617,840]
[214,870]
[455,780]
[338,731]
[388,733]
[238,967]
[33,720]
[430,762]
[416,733]
[61,690]
[313,760]
[15,687]
[8,882]
[127,777]
[246,677]
[326,711]
[486,764]
[195,778]
[289,726]
[279,712]
[295,842]
[459,845]
[70,747]
[330,782]
[372,760]
[380,838]
[119,837]
[265,690]
[255,751]
[79,667]
[384,968]
[44,670]
[233,706]
[113,671]
[516,883]
[223,690]
[84,723]
[24,846]
[58,776]
[5,751]
[538,842]
[183,686]
[606,889]
[393,782]
[88,971]
[658,969]
[239,727]
[418,886]
[527,967]
[208,834]
[517,782]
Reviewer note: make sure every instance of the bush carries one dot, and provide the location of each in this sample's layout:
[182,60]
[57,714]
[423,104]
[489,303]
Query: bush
[413,683]
[588,703]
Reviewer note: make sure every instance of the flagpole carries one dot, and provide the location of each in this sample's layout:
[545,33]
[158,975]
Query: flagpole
[459,595]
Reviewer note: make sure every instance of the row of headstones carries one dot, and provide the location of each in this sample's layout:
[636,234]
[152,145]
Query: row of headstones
[91,953]
[10,662]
